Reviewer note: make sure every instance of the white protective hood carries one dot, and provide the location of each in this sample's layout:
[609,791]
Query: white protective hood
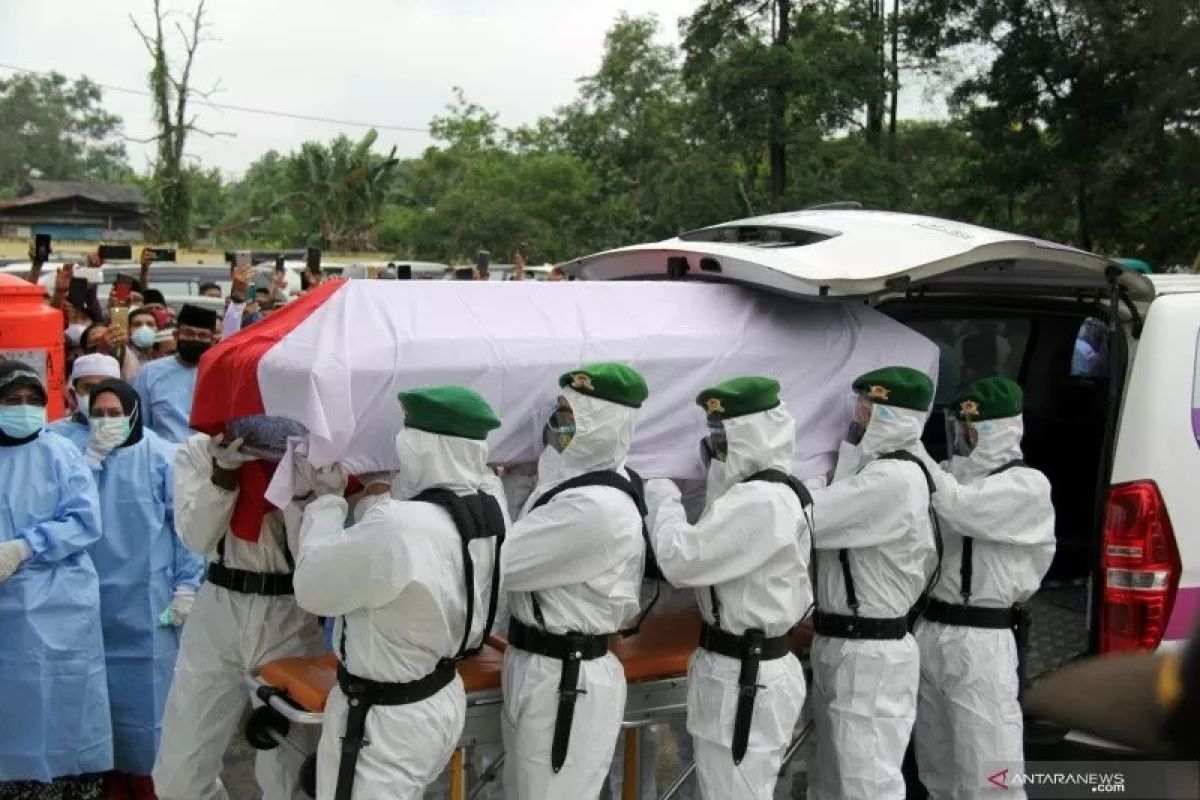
[603,434]
[765,440]
[891,428]
[430,460]
[999,443]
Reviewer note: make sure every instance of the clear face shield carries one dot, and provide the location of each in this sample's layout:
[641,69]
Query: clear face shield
[861,408]
[556,426]
[963,437]
[714,446]
[264,436]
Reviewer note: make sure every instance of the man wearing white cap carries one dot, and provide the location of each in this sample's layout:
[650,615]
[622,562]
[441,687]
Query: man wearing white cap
[88,371]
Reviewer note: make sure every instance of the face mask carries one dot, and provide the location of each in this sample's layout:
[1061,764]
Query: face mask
[189,351]
[82,403]
[714,447]
[21,422]
[143,338]
[109,432]
[962,442]
[560,430]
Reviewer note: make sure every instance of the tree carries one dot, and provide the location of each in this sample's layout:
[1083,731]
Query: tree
[57,129]
[1092,91]
[338,190]
[171,92]
[765,82]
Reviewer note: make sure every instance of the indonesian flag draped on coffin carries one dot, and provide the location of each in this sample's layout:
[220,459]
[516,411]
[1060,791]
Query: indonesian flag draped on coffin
[336,359]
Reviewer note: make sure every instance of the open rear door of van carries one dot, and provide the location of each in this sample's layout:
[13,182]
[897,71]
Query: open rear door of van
[854,253]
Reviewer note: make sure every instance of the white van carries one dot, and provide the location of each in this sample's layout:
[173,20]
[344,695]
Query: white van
[1110,364]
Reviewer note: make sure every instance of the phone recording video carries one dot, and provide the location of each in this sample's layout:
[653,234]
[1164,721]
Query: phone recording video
[41,247]
[116,252]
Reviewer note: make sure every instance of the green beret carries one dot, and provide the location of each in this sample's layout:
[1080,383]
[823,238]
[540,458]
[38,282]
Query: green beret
[902,387]
[616,383]
[739,397]
[449,411]
[990,398]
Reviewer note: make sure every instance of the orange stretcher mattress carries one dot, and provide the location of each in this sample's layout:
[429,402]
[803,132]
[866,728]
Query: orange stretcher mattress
[660,650]
[307,681]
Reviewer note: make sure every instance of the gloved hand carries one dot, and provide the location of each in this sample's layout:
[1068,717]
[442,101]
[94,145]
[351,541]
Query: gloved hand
[227,456]
[659,491]
[320,481]
[181,606]
[815,482]
[376,479]
[13,554]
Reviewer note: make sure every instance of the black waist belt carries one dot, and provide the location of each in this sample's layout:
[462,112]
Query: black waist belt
[970,616]
[270,584]
[563,646]
[738,646]
[570,649]
[1015,618]
[361,695]
[848,626]
[751,648]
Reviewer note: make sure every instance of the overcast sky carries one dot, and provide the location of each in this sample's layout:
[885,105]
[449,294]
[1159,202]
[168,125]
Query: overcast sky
[384,62]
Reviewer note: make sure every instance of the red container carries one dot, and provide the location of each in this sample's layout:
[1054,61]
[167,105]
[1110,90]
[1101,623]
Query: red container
[32,331]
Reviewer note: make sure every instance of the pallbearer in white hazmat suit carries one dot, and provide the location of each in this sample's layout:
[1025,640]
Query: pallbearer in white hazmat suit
[998,523]
[573,567]
[748,557]
[414,585]
[244,616]
[875,553]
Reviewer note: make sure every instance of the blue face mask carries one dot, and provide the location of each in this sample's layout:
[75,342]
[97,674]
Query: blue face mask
[21,422]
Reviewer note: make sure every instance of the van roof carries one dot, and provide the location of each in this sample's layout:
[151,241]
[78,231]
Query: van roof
[1175,283]
[854,253]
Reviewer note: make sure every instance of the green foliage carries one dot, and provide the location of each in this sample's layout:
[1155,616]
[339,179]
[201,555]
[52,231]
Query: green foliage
[1074,120]
[58,128]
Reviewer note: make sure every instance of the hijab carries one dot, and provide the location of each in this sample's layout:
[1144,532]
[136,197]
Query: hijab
[129,404]
[13,375]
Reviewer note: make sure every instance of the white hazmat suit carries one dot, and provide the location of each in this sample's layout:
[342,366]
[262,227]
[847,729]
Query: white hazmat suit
[864,690]
[751,545]
[583,554]
[968,713]
[227,635]
[396,582]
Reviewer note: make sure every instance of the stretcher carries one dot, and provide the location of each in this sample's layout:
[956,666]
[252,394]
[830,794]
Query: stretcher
[291,693]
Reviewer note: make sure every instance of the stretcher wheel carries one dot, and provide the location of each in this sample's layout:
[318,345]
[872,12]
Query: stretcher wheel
[265,721]
[308,775]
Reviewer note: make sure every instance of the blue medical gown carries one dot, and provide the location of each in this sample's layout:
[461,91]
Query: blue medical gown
[166,388]
[73,429]
[54,717]
[141,562]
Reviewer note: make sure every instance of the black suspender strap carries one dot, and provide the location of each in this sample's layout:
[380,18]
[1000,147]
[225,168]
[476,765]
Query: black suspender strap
[631,486]
[716,606]
[475,516]
[903,455]
[967,568]
[848,579]
[967,564]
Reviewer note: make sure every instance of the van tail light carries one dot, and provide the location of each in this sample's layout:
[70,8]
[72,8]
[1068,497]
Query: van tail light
[1141,568]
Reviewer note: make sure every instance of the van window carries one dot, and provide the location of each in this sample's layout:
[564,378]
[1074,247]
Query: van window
[1089,359]
[974,348]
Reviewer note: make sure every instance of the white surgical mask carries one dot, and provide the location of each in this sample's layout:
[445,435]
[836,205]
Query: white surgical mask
[82,401]
[108,432]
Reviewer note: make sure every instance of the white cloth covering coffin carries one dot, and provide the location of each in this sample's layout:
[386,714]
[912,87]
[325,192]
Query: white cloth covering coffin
[339,370]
